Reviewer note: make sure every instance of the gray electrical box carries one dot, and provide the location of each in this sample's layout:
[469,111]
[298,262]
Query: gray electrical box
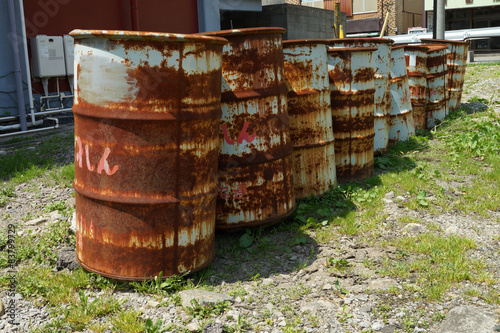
[47,56]
[69,54]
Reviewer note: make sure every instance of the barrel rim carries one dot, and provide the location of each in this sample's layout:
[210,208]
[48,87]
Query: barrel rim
[397,47]
[413,47]
[376,40]
[441,41]
[351,49]
[431,48]
[243,32]
[145,36]
[304,42]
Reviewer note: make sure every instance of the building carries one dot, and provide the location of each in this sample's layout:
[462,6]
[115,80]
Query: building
[470,14]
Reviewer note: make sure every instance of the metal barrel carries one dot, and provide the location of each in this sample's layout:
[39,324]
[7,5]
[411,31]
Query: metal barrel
[352,94]
[147,111]
[457,63]
[311,132]
[382,82]
[416,66]
[255,155]
[436,83]
[402,125]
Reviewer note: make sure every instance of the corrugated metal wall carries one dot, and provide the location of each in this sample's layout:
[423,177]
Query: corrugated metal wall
[8,101]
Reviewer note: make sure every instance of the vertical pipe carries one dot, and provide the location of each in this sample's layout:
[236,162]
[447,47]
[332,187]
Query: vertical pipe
[26,60]
[440,19]
[17,65]
[434,18]
[134,13]
[337,20]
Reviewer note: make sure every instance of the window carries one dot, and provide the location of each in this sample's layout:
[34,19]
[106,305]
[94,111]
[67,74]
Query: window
[364,6]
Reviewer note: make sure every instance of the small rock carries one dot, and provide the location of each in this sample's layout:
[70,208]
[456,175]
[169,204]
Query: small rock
[400,198]
[72,226]
[377,326]
[312,268]
[319,305]
[389,195]
[282,323]
[238,299]
[193,327]
[387,201]
[203,297]
[365,308]
[152,304]
[364,324]
[66,258]
[413,228]
[465,319]
[388,329]
[213,328]
[2,308]
[382,284]
[37,221]
[451,230]
[327,287]
[267,281]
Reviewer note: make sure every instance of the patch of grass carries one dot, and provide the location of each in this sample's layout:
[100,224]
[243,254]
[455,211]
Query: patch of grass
[162,286]
[127,322]
[199,311]
[438,261]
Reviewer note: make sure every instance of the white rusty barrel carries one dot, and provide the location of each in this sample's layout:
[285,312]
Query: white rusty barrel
[402,125]
[147,111]
[382,82]
[436,83]
[416,65]
[255,156]
[352,96]
[457,63]
[310,114]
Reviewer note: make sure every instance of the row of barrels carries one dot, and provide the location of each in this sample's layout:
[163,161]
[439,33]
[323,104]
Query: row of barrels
[176,135]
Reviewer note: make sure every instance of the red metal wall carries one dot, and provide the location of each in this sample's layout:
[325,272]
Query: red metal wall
[59,17]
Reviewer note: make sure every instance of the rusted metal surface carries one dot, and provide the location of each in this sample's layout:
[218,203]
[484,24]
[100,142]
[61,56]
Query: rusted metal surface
[311,132]
[147,110]
[352,89]
[416,66]
[402,125]
[436,104]
[255,155]
[457,63]
[382,65]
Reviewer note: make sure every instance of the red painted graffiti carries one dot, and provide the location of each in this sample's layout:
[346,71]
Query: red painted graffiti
[103,162]
[243,135]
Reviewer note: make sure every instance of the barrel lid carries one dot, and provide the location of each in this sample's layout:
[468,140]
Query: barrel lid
[144,35]
[304,42]
[244,31]
[351,49]
[428,40]
[374,40]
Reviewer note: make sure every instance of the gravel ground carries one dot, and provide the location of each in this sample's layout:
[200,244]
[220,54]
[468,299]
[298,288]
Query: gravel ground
[296,284]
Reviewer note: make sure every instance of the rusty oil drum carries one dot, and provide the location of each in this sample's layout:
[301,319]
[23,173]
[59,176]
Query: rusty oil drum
[147,112]
[255,155]
[352,94]
[310,114]
[402,125]
[416,66]
[437,71]
[382,82]
[457,63]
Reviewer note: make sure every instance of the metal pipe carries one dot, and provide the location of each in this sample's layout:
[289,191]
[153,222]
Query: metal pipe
[440,18]
[465,34]
[26,61]
[33,130]
[382,32]
[18,126]
[17,65]
[434,18]
[49,112]
[134,12]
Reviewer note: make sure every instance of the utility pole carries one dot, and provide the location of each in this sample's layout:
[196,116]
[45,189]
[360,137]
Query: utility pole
[439,15]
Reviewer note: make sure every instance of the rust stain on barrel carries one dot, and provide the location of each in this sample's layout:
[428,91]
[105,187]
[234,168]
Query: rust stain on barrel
[255,167]
[145,154]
